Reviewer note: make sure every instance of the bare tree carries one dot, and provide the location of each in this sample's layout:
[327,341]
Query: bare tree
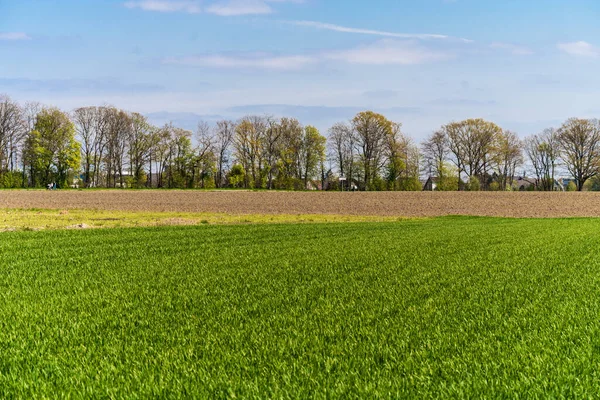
[543,153]
[271,148]
[471,142]
[12,133]
[204,152]
[86,121]
[30,113]
[435,153]
[341,147]
[579,141]
[507,157]
[139,146]
[225,131]
[118,126]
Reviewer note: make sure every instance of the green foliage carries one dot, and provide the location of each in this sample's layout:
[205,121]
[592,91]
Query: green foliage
[494,186]
[312,153]
[473,185]
[11,180]
[305,311]
[592,184]
[237,176]
[448,179]
[411,184]
[51,150]
[571,187]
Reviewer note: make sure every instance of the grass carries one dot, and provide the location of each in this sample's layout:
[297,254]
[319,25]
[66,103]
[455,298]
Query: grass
[45,219]
[447,307]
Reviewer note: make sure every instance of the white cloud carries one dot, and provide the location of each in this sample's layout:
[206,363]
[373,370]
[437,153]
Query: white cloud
[581,49]
[224,8]
[251,61]
[513,48]
[239,7]
[383,52]
[338,28]
[188,6]
[14,36]
[390,52]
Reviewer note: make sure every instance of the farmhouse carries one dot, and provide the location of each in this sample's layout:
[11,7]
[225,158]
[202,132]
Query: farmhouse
[523,184]
[430,184]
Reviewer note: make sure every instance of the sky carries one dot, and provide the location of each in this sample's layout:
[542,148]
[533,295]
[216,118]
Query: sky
[524,64]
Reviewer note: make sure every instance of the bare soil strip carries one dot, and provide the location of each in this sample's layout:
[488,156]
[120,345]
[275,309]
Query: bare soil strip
[388,204]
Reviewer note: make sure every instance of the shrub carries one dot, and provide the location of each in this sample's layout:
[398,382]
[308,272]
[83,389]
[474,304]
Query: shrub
[474,184]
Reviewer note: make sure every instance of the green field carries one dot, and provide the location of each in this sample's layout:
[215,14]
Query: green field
[446,307]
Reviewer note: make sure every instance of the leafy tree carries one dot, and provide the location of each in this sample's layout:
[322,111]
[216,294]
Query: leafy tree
[579,141]
[447,179]
[237,176]
[312,153]
[52,148]
[372,133]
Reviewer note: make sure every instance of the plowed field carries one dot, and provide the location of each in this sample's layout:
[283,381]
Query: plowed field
[402,204]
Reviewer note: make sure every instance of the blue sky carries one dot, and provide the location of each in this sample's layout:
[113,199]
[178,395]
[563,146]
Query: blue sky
[526,65]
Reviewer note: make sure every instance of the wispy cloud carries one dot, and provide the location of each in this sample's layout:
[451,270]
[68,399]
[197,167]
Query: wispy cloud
[390,52]
[344,29]
[224,8]
[239,7]
[512,48]
[245,61]
[188,6]
[99,85]
[581,49]
[382,52]
[14,36]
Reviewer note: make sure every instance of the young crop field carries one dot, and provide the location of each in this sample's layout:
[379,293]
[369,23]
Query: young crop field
[444,307]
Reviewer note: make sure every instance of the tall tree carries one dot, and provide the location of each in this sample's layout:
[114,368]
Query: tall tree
[396,154]
[248,142]
[435,153]
[118,130]
[86,121]
[12,133]
[205,155]
[53,147]
[225,131]
[543,153]
[342,149]
[471,142]
[139,146]
[507,156]
[271,148]
[312,153]
[290,143]
[579,141]
[372,131]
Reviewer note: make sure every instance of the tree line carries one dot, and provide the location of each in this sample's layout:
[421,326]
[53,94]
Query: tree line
[108,147]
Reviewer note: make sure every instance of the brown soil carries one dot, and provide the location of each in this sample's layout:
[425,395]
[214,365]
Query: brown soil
[405,204]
